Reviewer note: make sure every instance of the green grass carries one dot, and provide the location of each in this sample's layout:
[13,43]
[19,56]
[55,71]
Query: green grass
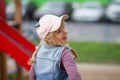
[92,52]
[97,52]
[13,76]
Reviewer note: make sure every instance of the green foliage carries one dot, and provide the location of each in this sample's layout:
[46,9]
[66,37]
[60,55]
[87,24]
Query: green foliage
[102,1]
[41,2]
[8,1]
[97,52]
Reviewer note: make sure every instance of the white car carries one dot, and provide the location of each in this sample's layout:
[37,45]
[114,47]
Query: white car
[113,11]
[56,8]
[89,11]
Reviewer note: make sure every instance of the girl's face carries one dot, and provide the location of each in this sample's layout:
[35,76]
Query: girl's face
[58,37]
[61,35]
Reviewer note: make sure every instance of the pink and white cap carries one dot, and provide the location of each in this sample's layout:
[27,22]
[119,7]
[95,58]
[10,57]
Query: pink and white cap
[49,23]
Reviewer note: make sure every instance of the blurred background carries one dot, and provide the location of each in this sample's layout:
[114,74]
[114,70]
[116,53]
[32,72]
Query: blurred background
[93,27]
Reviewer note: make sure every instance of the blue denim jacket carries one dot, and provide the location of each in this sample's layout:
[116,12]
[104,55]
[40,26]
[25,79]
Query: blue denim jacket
[47,66]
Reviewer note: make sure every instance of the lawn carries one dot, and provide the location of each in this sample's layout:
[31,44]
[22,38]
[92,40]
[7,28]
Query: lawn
[92,52]
[97,52]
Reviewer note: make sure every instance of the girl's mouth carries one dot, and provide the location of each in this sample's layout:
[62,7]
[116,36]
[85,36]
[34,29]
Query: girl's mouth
[65,38]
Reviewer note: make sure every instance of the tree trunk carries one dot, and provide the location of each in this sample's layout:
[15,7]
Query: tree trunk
[3,64]
[18,14]
[3,67]
[18,20]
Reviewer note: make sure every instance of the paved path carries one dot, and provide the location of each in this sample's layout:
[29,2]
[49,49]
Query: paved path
[86,31]
[88,71]
[99,71]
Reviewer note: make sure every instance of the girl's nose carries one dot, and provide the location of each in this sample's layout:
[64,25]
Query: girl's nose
[66,32]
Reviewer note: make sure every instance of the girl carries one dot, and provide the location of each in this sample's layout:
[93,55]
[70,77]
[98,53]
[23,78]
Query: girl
[53,59]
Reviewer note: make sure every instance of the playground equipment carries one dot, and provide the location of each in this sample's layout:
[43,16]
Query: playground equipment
[15,45]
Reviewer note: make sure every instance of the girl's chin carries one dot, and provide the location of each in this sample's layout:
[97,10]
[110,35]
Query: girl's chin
[65,42]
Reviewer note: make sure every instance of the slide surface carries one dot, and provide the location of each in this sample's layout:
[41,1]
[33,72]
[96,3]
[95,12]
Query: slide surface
[15,45]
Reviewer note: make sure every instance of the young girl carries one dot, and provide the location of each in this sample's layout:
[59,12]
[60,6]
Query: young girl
[53,59]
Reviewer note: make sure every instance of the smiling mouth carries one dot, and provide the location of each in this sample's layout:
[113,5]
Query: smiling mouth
[65,38]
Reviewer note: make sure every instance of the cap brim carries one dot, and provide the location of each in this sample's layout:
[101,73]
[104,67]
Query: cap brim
[58,22]
[64,17]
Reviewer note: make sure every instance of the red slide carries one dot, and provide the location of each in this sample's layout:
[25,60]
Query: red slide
[15,45]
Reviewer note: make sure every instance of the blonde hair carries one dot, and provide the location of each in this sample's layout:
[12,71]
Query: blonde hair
[53,42]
